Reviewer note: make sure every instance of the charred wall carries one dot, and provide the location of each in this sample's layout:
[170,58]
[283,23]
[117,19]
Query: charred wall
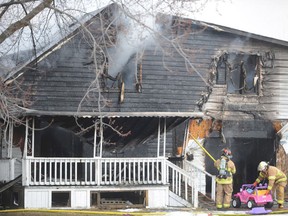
[250,143]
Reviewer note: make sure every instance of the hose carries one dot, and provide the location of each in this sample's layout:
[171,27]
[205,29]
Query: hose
[204,149]
[80,212]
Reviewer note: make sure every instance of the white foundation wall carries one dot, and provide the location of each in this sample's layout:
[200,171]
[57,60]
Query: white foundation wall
[37,198]
[158,198]
[41,197]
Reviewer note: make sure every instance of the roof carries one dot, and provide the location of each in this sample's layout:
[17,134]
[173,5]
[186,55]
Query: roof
[160,97]
[221,28]
[72,30]
[59,39]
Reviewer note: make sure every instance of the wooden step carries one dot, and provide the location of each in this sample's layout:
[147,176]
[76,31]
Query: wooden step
[205,201]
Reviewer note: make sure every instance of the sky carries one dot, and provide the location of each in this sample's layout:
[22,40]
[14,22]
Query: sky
[264,17]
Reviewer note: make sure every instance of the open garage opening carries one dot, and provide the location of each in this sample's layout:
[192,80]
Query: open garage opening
[259,144]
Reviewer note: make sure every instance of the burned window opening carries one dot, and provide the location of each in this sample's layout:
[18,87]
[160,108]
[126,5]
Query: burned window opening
[240,72]
[128,77]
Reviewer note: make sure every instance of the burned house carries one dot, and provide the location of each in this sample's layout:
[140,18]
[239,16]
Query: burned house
[108,118]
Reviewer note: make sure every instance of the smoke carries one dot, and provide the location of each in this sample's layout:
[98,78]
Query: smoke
[134,33]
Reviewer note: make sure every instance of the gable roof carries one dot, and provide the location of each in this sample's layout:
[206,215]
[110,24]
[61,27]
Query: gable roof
[60,38]
[69,33]
[163,108]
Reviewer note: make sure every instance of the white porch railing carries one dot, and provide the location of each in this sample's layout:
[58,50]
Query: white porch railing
[93,171]
[113,171]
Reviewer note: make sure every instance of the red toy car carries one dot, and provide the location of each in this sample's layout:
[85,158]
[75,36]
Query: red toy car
[252,196]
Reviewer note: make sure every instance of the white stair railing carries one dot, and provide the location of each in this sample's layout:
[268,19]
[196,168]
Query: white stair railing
[200,173]
[182,184]
[185,184]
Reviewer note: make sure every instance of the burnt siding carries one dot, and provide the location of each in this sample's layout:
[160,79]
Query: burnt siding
[63,78]
[173,79]
[271,103]
[60,80]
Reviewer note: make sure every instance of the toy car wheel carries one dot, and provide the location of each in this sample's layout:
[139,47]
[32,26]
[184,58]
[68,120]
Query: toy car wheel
[251,204]
[236,203]
[268,205]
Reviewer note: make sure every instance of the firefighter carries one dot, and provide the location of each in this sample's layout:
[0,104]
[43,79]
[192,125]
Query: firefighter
[226,169]
[277,180]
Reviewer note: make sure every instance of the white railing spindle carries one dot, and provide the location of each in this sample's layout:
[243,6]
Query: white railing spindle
[93,171]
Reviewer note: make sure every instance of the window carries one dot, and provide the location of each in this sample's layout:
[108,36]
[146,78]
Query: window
[61,199]
[122,77]
[240,72]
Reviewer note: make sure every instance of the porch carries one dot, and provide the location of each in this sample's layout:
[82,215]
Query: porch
[83,181]
[86,182]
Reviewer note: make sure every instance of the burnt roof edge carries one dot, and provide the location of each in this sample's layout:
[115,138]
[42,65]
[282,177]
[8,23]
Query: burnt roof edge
[231,30]
[115,114]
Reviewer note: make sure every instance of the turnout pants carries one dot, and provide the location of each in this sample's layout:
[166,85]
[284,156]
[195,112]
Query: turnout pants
[223,195]
[279,187]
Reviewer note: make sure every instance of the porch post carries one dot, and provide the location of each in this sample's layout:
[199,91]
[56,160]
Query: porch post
[25,164]
[101,137]
[26,140]
[94,143]
[164,139]
[10,140]
[33,137]
[164,167]
[159,138]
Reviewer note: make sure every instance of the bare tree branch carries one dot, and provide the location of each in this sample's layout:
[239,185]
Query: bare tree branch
[4,11]
[25,21]
[12,2]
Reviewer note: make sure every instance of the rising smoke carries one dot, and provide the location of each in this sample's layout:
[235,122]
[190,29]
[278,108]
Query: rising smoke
[134,33]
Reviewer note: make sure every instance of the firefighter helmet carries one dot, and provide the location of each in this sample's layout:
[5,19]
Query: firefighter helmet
[227,152]
[262,166]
